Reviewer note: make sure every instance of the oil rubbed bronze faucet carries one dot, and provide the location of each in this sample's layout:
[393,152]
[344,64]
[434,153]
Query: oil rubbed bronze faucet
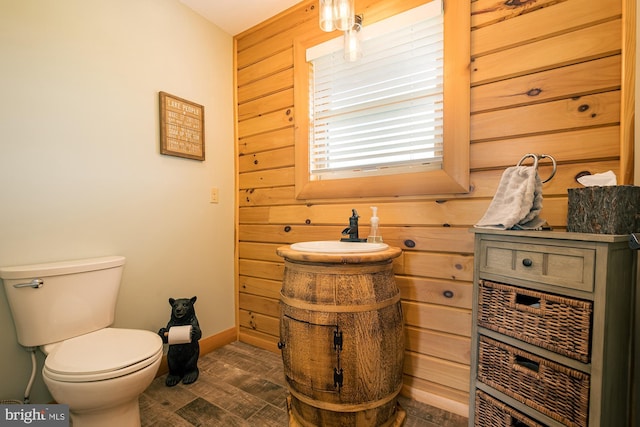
[352,229]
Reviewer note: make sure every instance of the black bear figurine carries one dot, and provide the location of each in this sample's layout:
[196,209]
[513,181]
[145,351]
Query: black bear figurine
[182,358]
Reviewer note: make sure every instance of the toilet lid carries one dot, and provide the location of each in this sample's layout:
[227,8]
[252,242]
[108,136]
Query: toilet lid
[103,354]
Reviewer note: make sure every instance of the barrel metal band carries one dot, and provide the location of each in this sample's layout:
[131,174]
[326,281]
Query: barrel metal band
[296,303]
[339,407]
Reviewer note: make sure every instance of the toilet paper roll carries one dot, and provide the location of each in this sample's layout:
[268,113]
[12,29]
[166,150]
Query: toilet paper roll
[180,334]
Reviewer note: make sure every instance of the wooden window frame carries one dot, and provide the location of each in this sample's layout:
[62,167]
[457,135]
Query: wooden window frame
[453,178]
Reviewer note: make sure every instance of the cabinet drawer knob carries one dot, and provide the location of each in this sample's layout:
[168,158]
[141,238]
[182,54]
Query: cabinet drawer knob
[527,262]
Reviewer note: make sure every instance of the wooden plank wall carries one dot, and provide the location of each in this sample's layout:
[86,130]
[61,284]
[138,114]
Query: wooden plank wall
[546,78]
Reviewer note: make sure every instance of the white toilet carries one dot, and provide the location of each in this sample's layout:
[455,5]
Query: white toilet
[66,308]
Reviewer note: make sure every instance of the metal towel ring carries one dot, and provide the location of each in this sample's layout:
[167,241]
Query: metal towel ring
[536,158]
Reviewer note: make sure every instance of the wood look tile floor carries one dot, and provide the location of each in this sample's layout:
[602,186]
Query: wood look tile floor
[242,385]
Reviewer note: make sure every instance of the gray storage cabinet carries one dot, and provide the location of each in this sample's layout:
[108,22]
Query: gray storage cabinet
[552,329]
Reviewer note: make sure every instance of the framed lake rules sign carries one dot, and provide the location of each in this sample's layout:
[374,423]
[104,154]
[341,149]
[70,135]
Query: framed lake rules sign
[181,127]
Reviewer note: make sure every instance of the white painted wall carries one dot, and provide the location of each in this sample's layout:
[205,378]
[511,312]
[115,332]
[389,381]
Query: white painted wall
[81,174]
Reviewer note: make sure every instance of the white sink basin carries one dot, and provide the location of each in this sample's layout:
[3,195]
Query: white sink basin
[338,247]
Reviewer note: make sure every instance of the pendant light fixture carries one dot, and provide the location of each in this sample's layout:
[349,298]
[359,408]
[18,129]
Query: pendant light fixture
[352,41]
[340,15]
[343,14]
[326,16]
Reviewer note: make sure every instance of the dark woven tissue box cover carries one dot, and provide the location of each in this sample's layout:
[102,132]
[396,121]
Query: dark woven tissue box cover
[612,209]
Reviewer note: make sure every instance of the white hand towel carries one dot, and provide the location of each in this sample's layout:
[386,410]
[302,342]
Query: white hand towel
[517,202]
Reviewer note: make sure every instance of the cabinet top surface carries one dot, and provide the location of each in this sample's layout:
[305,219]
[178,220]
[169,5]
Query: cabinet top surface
[558,235]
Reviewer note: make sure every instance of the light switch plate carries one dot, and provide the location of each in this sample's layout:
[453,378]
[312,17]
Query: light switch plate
[213,197]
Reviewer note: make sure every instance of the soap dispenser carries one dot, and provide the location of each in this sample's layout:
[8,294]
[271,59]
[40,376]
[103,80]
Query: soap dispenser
[374,233]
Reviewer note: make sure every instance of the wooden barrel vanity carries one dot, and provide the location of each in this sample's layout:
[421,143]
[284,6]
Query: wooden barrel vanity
[341,337]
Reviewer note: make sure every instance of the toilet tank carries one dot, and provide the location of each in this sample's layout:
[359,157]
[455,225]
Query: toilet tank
[75,298]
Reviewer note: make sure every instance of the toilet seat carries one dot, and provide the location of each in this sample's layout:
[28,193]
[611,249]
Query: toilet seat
[101,355]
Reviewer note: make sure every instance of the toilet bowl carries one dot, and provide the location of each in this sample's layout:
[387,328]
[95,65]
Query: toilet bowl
[101,374]
[66,309]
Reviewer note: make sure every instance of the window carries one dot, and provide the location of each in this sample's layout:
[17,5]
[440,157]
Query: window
[381,114]
[396,121]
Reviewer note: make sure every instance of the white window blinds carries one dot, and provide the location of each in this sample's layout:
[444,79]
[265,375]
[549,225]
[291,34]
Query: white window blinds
[383,113]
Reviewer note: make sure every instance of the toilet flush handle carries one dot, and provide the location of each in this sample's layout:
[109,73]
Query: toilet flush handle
[35,283]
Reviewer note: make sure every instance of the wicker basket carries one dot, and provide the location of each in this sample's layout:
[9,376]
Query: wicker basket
[555,390]
[559,324]
[490,412]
